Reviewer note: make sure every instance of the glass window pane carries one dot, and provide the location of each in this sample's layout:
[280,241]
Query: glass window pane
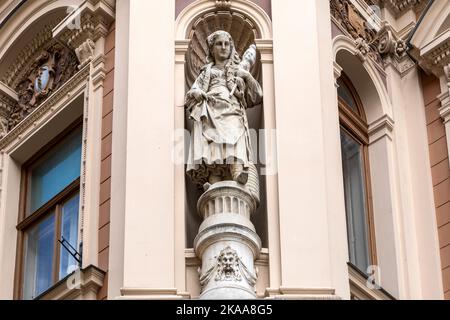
[39,253]
[69,231]
[345,94]
[355,201]
[55,171]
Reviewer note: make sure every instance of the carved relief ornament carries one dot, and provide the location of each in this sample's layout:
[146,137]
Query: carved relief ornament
[348,18]
[54,55]
[52,68]
[228,267]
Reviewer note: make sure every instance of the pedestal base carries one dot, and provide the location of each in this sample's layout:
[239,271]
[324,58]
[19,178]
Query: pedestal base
[227,243]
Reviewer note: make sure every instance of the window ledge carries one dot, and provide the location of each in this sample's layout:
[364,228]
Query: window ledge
[79,285]
[359,289]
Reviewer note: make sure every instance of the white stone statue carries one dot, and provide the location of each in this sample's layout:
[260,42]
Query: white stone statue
[220,147]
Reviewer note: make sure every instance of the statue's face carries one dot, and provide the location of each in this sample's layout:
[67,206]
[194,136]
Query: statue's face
[228,261]
[222,48]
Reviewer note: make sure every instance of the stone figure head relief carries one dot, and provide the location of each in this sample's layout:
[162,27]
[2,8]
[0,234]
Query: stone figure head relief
[228,265]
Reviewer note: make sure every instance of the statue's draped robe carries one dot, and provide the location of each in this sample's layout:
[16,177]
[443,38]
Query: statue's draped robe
[220,134]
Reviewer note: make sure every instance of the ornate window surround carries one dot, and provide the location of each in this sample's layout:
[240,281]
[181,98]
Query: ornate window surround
[82,94]
[384,179]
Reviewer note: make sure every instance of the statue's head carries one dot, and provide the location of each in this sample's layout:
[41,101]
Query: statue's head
[220,46]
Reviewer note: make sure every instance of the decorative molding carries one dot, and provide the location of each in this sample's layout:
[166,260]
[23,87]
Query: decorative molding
[380,128]
[337,72]
[8,102]
[94,18]
[193,261]
[222,4]
[151,294]
[292,293]
[399,7]
[81,285]
[393,50]
[435,56]
[98,73]
[49,71]
[81,29]
[444,97]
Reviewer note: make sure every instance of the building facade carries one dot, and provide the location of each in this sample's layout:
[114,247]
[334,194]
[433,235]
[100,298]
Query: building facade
[351,142]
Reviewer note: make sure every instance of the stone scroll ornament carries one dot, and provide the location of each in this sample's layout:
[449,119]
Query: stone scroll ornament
[52,68]
[220,146]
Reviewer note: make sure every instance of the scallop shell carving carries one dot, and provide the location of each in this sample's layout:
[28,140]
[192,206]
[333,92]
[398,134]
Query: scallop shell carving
[241,29]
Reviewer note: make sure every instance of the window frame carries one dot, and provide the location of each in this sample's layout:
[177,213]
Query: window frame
[54,206]
[355,125]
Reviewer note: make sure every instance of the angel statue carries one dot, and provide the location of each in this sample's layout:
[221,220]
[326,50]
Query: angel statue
[220,146]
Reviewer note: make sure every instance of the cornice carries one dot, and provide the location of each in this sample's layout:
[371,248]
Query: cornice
[83,27]
[399,7]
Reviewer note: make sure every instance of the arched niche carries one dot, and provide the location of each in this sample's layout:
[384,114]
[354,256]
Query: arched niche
[248,24]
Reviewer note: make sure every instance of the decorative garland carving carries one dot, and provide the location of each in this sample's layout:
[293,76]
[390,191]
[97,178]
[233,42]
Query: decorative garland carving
[52,68]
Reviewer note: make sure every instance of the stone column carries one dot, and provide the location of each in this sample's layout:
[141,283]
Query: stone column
[227,242]
[142,261]
[303,68]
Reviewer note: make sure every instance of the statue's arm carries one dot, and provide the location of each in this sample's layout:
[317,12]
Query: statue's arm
[253,92]
[196,94]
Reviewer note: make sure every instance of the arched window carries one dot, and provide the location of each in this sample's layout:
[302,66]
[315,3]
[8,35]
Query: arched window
[356,172]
